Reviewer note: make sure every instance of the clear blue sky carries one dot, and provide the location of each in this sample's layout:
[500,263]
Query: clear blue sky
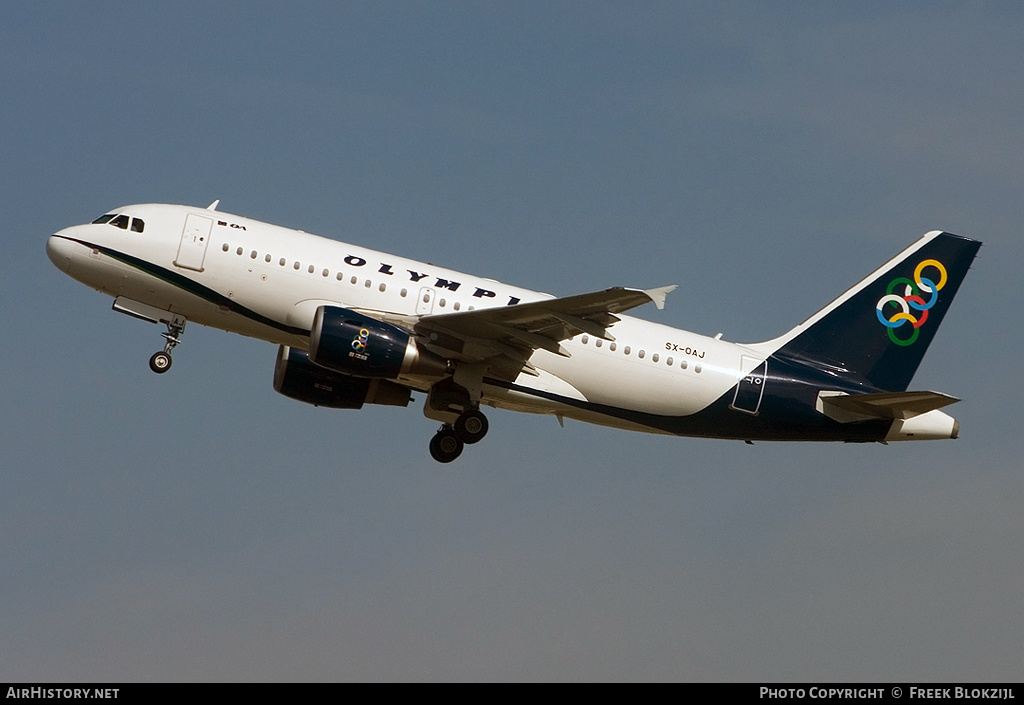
[198,526]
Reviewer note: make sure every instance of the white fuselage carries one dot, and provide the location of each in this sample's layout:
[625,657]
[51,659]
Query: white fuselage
[284,275]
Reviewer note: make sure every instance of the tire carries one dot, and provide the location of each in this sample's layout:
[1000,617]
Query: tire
[471,426]
[445,446]
[160,362]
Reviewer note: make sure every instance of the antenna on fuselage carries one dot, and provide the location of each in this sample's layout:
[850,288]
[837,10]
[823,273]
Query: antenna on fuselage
[213,206]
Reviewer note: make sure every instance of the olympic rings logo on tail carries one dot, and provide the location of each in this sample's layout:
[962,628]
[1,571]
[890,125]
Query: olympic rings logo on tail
[913,308]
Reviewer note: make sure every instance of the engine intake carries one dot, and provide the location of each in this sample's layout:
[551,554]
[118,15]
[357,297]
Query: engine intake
[355,344]
[298,378]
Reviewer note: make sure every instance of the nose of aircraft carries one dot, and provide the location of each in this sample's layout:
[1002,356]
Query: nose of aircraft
[58,249]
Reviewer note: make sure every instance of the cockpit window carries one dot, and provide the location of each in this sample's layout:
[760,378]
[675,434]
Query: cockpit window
[120,220]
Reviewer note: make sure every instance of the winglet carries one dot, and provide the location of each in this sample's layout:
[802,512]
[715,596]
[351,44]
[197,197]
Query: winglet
[658,294]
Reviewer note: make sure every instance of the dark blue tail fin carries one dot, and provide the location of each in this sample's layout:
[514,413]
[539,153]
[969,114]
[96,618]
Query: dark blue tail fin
[880,329]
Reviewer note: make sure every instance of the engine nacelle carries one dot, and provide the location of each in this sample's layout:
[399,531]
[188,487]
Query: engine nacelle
[354,344]
[298,378]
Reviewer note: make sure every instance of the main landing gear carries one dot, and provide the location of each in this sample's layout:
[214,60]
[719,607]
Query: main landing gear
[161,361]
[455,402]
[447,444]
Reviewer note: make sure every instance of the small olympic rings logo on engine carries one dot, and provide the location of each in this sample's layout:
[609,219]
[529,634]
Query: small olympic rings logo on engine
[911,305]
[359,342]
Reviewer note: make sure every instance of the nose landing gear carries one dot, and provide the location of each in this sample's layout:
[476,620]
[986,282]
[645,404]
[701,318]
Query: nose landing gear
[161,361]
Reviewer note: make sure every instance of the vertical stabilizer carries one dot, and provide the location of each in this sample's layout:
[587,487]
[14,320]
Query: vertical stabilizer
[881,328]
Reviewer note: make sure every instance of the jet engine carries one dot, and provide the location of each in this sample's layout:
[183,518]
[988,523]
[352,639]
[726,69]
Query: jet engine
[354,344]
[298,378]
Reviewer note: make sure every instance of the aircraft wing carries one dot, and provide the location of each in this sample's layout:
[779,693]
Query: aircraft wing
[514,332]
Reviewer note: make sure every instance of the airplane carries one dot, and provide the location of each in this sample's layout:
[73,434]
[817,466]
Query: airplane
[356,326]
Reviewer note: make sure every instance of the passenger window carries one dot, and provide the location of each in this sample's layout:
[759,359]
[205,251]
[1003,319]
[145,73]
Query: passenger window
[669,362]
[296,266]
[281,261]
[326,273]
[252,255]
[597,342]
[225,247]
[584,340]
[457,306]
[340,276]
[382,287]
[696,368]
[138,225]
[120,221]
[267,259]
[626,350]
[311,269]
[238,251]
[654,357]
[640,354]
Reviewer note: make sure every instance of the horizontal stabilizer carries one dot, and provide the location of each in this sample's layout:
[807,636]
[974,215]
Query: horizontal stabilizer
[846,408]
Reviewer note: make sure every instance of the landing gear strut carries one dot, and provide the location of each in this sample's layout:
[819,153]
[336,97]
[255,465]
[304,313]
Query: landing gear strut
[161,361]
